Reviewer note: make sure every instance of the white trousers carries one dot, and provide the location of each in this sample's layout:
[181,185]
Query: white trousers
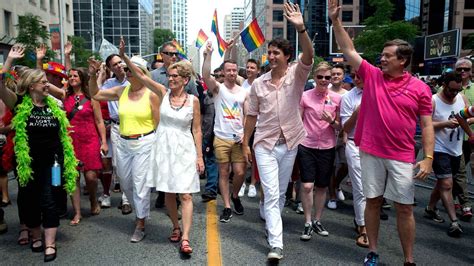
[133,159]
[114,139]
[355,173]
[275,169]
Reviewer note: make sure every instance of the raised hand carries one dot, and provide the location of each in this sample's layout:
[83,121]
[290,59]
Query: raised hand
[94,65]
[333,9]
[122,47]
[17,51]
[209,48]
[293,14]
[68,48]
[41,51]
[230,44]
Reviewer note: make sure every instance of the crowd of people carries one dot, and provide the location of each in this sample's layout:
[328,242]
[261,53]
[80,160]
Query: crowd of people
[141,131]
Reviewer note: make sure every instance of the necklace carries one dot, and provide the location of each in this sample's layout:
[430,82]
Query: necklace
[182,105]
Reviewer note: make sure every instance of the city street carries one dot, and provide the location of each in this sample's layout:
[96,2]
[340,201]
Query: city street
[105,239]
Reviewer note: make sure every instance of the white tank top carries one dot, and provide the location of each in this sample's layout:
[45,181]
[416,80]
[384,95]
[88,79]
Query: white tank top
[229,120]
[448,140]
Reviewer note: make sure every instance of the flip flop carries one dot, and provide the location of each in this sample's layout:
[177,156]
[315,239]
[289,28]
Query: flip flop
[75,222]
[362,240]
[24,240]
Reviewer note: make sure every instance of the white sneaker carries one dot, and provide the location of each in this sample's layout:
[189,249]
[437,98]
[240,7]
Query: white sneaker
[299,208]
[242,190]
[340,195]
[252,192]
[332,204]
[104,201]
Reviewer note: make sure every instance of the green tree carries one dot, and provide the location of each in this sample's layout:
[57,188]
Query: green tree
[379,29]
[31,33]
[469,44]
[161,36]
[80,53]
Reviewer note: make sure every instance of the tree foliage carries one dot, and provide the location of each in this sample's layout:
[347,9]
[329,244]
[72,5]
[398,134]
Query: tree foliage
[379,29]
[161,36]
[469,42]
[31,33]
[80,53]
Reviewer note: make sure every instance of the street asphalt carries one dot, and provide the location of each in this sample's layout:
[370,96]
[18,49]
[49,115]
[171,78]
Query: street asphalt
[105,239]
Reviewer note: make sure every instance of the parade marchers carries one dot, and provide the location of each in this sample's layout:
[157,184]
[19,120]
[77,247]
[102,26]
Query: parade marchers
[151,128]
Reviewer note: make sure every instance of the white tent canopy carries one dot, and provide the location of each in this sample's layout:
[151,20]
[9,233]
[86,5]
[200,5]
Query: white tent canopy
[106,49]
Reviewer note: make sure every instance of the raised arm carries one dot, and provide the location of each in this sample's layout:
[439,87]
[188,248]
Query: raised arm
[342,38]
[112,94]
[40,54]
[56,92]
[154,86]
[211,83]
[16,52]
[67,55]
[293,14]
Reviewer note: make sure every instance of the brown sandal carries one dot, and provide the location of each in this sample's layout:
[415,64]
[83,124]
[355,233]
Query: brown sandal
[175,235]
[362,240]
[185,248]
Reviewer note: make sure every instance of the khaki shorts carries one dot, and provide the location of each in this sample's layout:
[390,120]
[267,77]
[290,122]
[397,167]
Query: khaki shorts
[390,178]
[227,151]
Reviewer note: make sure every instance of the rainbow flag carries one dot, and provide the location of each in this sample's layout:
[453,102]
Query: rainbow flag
[220,42]
[252,36]
[201,39]
[181,52]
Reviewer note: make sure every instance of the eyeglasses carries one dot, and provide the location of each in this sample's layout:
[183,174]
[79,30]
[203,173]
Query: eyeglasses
[170,54]
[461,69]
[173,76]
[453,91]
[43,82]
[325,77]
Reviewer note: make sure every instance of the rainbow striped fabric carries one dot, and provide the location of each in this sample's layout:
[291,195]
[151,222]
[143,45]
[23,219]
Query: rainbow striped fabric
[220,42]
[181,52]
[252,36]
[201,39]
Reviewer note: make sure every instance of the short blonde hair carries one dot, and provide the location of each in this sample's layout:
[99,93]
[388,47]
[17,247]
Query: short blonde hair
[184,69]
[28,78]
[322,66]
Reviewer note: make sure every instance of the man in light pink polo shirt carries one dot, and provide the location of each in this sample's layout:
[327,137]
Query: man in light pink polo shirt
[392,101]
[275,97]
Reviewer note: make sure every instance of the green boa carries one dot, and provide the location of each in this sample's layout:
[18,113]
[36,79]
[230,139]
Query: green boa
[22,149]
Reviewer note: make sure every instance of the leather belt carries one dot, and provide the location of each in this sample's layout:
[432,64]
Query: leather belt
[351,139]
[137,136]
[114,121]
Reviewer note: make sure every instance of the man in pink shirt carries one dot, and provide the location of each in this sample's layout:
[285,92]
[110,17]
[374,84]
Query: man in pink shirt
[274,97]
[385,134]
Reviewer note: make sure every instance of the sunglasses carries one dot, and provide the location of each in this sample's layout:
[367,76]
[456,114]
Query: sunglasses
[173,76]
[170,53]
[453,91]
[461,69]
[325,77]
[218,76]
[76,100]
[126,69]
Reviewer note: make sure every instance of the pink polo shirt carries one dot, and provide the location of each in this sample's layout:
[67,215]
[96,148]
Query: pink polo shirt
[278,107]
[388,113]
[320,134]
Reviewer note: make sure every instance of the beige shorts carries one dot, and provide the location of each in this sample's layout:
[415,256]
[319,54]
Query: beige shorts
[390,178]
[227,151]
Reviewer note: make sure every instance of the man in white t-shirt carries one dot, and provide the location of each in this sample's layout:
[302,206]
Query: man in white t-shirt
[229,100]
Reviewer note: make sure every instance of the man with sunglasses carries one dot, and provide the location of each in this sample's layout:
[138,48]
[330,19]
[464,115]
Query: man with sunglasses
[464,68]
[392,102]
[273,98]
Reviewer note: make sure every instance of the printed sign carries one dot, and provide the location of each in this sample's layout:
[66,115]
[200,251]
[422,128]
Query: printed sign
[444,44]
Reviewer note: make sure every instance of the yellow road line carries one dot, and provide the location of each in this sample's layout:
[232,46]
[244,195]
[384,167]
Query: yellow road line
[213,240]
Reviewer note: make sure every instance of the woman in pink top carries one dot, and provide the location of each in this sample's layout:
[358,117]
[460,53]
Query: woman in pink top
[316,154]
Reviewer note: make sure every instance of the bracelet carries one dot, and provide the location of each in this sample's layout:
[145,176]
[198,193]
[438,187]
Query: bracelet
[428,157]
[302,31]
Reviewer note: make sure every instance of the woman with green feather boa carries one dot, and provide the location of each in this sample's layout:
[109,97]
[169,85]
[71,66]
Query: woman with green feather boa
[41,139]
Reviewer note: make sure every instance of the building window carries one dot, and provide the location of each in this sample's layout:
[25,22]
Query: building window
[347,2]
[347,16]
[468,23]
[469,4]
[277,15]
[33,2]
[51,7]
[68,13]
[7,22]
[43,4]
[278,1]
[277,32]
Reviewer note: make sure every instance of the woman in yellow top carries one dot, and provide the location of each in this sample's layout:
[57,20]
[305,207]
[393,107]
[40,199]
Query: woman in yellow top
[139,117]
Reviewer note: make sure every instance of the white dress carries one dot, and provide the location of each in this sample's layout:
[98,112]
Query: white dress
[173,165]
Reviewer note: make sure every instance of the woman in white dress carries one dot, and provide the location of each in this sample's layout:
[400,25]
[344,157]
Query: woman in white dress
[177,155]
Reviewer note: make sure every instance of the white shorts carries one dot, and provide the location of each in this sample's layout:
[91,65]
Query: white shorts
[390,178]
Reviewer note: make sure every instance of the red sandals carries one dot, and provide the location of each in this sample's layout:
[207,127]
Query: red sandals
[185,248]
[175,236]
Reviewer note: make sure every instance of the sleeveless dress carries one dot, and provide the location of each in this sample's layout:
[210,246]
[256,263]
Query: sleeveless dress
[83,132]
[173,165]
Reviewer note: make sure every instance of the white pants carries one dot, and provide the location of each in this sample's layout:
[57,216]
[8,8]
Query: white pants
[133,159]
[353,164]
[114,139]
[275,169]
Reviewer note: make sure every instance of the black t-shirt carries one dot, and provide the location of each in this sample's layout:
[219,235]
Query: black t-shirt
[43,133]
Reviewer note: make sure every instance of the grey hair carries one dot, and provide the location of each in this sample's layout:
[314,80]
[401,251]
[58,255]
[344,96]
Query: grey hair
[463,61]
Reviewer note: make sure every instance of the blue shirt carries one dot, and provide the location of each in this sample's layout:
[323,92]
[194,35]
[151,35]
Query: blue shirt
[113,105]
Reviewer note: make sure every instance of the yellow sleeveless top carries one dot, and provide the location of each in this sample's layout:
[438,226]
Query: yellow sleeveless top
[135,116]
